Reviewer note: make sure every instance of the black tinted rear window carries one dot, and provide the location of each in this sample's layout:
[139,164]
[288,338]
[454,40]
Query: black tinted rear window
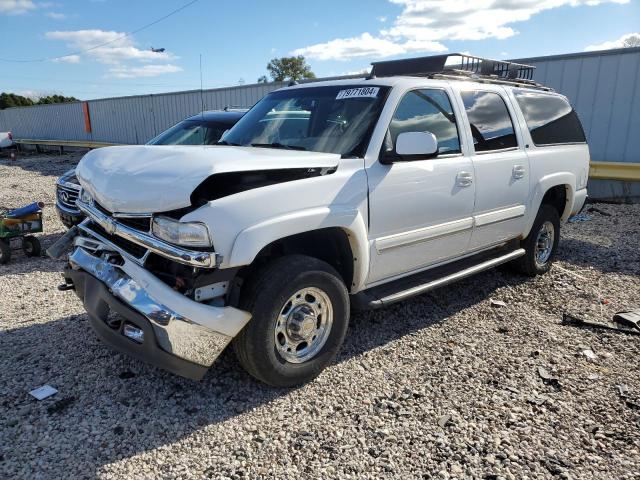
[550,119]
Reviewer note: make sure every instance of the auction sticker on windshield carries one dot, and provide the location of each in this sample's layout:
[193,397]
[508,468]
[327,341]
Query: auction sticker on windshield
[358,93]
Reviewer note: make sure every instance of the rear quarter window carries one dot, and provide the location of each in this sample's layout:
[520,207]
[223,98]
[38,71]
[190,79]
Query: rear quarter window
[550,119]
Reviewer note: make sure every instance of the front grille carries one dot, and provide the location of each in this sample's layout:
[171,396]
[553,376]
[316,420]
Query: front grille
[67,196]
[139,223]
[131,248]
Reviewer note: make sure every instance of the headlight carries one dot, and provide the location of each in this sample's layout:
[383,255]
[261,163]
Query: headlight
[85,197]
[193,234]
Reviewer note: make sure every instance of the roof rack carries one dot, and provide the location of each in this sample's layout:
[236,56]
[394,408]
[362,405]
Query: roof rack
[460,66]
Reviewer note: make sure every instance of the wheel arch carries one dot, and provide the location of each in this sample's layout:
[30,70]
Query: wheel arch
[557,190]
[336,237]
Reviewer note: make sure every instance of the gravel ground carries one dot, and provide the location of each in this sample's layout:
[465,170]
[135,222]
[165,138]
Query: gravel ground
[445,385]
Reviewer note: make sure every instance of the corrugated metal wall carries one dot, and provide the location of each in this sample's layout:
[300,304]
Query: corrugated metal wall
[134,119]
[604,88]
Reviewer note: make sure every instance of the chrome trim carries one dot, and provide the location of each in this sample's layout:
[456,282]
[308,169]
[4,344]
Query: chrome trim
[67,210]
[175,253]
[177,332]
[454,277]
[73,186]
[84,226]
[131,215]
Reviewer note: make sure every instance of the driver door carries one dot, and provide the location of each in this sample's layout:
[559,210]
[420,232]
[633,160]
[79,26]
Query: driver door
[421,211]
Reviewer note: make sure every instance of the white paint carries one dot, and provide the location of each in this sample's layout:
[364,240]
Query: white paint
[416,143]
[399,218]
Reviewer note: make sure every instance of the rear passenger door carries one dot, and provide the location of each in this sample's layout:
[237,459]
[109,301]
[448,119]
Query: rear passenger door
[500,164]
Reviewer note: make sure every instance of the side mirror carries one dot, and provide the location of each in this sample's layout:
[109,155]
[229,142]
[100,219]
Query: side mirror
[412,146]
[417,143]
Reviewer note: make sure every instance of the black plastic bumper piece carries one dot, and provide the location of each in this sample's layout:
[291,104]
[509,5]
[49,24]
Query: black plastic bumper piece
[99,303]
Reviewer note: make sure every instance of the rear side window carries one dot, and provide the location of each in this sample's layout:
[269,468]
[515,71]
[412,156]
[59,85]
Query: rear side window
[427,111]
[550,119]
[490,122]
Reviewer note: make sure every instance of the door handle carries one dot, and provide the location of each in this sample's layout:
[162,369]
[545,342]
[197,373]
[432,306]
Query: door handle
[518,171]
[464,179]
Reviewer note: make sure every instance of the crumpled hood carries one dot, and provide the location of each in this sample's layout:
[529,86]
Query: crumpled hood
[158,178]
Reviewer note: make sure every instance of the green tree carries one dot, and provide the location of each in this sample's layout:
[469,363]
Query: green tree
[289,68]
[8,100]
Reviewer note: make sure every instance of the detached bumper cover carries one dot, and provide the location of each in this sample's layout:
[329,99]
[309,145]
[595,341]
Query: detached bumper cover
[180,335]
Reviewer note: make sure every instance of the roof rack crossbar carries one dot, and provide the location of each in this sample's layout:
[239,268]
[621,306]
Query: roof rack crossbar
[499,70]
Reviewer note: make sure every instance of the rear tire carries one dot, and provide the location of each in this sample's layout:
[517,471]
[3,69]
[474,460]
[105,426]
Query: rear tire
[300,314]
[5,252]
[541,244]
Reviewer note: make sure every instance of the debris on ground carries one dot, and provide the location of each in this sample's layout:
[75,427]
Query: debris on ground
[621,324]
[444,420]
[45,391]
[589,355]
[497,303]
[548,378]
[581,217]
[597,210]
[628,320]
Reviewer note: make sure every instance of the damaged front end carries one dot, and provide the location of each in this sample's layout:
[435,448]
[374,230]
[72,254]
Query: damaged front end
[162,303]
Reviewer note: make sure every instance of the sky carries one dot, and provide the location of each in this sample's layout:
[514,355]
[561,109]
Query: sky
[102,48]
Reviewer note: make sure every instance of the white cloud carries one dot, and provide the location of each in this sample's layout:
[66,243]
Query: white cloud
[56,15]
[124,58]
[119,49]
[619,43]
[423,24]
[366,45]
[382,18]
[143,71]
[68,59]
[16,7]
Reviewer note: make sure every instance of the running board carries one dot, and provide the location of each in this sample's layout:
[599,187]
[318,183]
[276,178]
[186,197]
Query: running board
[422,282]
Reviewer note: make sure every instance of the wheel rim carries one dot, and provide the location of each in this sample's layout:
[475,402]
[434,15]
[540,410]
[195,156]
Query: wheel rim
[303,325]
[544,243]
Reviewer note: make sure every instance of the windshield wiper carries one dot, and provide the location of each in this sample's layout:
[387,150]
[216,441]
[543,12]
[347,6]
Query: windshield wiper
[278,145]
[224,142]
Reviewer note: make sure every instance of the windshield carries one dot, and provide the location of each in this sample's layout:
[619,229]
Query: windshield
[337,119]
[192,132]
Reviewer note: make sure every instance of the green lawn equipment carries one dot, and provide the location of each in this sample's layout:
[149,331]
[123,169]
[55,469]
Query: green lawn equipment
[20,224]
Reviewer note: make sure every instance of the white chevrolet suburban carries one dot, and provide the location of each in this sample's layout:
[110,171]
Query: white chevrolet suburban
[324,196]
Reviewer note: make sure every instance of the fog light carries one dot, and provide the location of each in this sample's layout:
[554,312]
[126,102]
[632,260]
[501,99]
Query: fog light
[134,333]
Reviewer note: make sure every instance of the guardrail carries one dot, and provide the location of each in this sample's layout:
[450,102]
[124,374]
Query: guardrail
[624,171]
[63,143]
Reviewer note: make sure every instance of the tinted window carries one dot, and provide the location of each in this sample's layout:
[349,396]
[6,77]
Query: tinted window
[427,111]
[192,132]
[491,124]
[550,119]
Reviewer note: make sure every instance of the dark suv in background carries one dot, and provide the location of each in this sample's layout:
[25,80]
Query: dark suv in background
[205,128]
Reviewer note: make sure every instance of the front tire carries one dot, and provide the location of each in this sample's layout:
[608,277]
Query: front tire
[300,314]
[541,244]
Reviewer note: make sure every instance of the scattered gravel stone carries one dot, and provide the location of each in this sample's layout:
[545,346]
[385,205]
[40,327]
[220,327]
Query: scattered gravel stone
[374,413]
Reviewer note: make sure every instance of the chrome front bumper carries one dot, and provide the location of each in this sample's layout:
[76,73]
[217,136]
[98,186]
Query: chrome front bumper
[189,330]
[182,255]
